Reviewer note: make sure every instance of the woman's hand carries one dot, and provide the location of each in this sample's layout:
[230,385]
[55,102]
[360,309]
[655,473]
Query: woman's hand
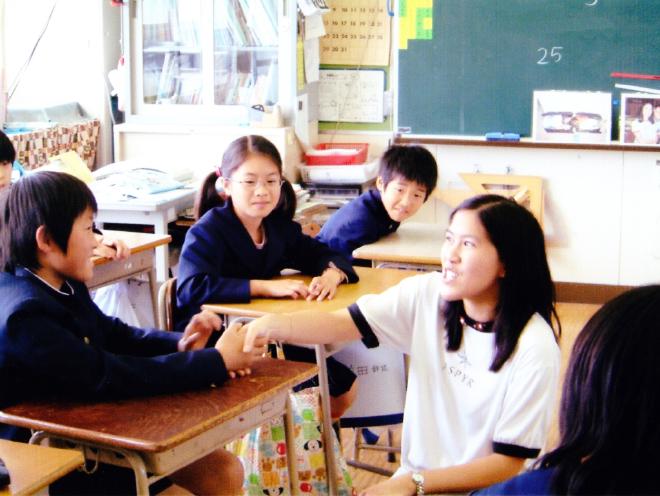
[114,249]
[325,285]
[230,346]
[198,331]
[279,288]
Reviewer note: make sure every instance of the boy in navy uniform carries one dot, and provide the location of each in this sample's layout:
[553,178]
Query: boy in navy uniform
[55,342]
[407,175]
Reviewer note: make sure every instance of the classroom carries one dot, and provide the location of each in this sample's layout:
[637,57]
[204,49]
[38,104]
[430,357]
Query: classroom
[468,188]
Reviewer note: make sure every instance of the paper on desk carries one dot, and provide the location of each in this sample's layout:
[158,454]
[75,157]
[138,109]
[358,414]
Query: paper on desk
[69,162]
[131,184]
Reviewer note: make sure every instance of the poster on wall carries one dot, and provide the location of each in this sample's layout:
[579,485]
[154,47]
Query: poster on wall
[640,118]
[572,116]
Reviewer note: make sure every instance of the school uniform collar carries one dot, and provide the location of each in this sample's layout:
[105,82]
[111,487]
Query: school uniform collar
[374,201]
[65,290]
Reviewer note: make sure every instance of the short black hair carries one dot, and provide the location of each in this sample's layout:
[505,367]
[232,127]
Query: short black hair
[7,150]
[51,199]
[413,163]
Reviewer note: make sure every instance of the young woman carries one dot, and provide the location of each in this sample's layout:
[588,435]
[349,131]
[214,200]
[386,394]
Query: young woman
[609,408]
[245,236]
[484,361]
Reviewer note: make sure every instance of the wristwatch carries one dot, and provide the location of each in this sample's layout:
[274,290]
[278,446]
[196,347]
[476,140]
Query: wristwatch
[418,479]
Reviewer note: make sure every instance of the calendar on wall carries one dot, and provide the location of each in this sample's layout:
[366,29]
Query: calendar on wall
[357,33]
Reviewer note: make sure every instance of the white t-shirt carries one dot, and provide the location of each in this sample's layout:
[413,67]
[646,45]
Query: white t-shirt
[456,408]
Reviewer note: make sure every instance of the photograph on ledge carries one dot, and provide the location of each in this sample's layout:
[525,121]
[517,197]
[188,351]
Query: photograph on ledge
[640,118]
[572,116]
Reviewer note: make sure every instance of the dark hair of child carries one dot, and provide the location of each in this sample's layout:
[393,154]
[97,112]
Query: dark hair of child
[608,416]
[7,150]
[236,154]
[413,163]
[526,287]
[51,199]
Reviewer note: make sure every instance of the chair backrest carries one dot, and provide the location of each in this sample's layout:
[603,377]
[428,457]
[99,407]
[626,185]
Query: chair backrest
[167,304]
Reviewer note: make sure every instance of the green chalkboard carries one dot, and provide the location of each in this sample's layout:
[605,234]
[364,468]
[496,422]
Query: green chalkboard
[486,57]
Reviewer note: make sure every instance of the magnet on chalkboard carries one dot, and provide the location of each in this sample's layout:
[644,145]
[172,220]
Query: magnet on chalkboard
[497,136]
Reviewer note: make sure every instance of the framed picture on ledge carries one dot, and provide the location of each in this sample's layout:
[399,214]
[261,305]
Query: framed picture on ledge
[640,118]
[572,116]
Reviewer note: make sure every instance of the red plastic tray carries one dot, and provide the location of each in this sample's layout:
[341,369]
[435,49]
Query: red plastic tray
[359,157]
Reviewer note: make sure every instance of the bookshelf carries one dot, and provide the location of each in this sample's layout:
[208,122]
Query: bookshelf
[208,62]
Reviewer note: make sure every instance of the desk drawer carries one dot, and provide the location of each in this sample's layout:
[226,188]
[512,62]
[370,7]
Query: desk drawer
[117,270]
[168,461]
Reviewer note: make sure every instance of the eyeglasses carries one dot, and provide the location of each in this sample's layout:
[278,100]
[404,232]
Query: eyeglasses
[252,184]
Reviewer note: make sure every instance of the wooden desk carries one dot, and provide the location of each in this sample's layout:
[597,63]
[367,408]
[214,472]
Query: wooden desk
[158,435]
[33,468]
[371,281]
[415,244]
[141,260]
[154,210]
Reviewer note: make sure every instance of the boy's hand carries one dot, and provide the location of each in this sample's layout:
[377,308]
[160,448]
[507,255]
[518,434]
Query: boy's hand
[283,288]
[325,285]
[230,345]
[114,249]
[198,331]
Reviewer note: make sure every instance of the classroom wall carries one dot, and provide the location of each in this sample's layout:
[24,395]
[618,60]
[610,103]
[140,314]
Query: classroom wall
[78,48]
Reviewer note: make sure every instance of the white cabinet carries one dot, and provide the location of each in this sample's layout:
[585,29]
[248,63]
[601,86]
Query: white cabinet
[203,61]
[640,235]
[201,147]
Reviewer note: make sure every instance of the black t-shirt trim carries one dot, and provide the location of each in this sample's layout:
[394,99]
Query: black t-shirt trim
[515,450]
[368,337]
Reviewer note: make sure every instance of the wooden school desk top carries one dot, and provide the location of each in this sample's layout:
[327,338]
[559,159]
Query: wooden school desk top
[33,467]
[371,281]
[159,423]
[137,242]
[412,243]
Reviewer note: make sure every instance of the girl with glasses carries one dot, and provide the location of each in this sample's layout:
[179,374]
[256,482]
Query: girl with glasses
[245,236]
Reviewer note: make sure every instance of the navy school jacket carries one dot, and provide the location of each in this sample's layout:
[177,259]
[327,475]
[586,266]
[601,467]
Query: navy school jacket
[362,221]
[218,259]
[62,345]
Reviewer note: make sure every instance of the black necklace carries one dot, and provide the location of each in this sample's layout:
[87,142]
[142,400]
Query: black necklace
[479,326]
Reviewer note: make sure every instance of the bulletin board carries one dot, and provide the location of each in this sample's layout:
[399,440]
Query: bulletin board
[359,38]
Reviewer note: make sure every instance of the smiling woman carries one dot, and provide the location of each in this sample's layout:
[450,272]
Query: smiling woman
[484,361]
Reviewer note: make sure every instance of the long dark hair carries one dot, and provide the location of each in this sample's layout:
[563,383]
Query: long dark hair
[235,155]
[50,199]
[526,287]
[7,150]
[610,406]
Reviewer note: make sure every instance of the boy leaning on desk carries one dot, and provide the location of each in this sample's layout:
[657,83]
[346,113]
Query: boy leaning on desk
[406,177]
[55,342]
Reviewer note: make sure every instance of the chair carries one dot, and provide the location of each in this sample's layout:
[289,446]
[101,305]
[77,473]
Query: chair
[525,190]
[375,369]
[167,304]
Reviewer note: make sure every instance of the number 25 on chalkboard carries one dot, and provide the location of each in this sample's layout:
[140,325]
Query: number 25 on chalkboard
[549,56]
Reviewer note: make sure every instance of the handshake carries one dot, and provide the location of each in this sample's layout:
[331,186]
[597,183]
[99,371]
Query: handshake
[230,345]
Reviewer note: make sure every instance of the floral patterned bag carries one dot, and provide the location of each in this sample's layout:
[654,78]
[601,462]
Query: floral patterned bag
[263,453]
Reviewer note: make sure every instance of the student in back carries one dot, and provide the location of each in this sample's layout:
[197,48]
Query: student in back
[54,342]
[7,157]
[245,236]
[407,175]
[608,418]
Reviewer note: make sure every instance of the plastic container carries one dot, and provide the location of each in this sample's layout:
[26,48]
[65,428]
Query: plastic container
[342,156]
[339,174]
